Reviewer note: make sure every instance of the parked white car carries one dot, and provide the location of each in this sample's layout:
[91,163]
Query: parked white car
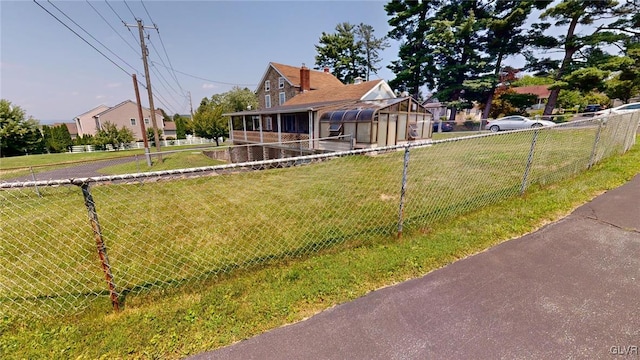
[622,109]
[515,122]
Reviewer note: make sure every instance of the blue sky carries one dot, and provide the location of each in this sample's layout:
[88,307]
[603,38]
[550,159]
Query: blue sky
[54,75]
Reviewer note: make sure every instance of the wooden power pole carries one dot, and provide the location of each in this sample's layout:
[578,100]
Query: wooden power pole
[145,54]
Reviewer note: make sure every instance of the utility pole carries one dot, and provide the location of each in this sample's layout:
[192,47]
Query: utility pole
[145,53]
[191,105]
[141,116]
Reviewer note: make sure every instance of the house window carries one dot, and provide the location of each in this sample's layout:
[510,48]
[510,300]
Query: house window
[281,83]
[283,97]
[133,121]
[267,85]
[256,123]
[267,101]
[267,123]
[290,123]
[146,121]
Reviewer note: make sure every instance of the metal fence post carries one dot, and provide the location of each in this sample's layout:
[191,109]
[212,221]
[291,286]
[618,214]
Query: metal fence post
[595,146]
[527,169]
[102,249]
[33,176]
[403,190]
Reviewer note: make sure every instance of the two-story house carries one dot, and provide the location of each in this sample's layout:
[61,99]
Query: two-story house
[280,83]
[365,114]
[124,114]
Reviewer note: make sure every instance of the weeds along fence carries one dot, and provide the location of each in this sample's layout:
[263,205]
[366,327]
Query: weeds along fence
[93,242]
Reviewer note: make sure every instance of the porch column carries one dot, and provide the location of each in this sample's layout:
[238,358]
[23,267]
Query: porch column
[260,128]
[244,126]
[311,129]
[230,129]
[279,129]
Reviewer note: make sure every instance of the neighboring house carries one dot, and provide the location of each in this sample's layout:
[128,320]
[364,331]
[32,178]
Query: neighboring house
[366,115]
[73,129]
[280,83]
[169,130]
[124,114]
[86,123]
[542,93]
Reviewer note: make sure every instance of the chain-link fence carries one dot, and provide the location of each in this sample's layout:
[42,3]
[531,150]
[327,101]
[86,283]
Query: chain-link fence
[76,241]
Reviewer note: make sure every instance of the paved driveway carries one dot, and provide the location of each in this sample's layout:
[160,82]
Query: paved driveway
[89,169]
[568,291]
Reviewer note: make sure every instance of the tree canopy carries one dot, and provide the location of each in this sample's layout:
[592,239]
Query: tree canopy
[208,121]
[18,135]
[580,43]
[352,51]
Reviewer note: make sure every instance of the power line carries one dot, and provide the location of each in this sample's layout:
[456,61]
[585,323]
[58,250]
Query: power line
[132,14]
[163,47]
[123,22]
[201,78]
[83,39]
[112,28]
[93,37]
[156,50]
[164,82]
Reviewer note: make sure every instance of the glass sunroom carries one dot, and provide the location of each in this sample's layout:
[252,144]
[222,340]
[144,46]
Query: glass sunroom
[378,122]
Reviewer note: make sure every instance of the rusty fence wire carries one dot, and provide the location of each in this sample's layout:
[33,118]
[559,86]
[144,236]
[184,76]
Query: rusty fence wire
[69,243]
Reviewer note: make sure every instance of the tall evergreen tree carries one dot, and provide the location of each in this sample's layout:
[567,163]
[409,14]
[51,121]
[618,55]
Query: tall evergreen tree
[580,18]
[351,52]
[370,46]
[408,25]
[505,36]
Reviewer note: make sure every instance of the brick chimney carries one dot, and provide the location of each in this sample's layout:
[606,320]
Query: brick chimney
[326,69]
[305,79]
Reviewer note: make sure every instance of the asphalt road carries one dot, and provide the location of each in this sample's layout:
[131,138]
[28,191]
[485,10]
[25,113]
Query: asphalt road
[570,290]
[89,169]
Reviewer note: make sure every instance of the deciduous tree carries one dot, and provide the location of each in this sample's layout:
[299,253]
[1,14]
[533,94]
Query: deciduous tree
[18,135]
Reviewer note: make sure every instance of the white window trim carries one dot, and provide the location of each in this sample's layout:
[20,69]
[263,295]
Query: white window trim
[267,85]
[280,83]
[282,97]
[267,101]
[132,121]
[146,121]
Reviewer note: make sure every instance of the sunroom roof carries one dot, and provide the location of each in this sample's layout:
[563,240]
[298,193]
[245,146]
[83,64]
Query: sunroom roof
[362,111]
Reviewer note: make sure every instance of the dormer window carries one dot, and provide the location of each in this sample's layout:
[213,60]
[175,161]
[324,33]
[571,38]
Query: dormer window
[267,85]
[281,83]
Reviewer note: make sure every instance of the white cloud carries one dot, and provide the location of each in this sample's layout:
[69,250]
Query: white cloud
[99,97]
[208,86]
[114,85]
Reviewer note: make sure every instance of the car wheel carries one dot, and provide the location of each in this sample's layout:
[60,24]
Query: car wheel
[494,128]
[536,125]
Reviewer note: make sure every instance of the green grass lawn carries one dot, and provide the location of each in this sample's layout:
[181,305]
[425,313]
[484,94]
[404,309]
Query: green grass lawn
[218,258]
[178,321]
[18,166]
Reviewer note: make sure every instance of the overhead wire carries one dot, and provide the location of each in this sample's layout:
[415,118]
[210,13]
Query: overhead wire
[93,37]
[157,95]
[132,14]
[82,38]
[123,22]
[112,28]
[205,79]
[175,77]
